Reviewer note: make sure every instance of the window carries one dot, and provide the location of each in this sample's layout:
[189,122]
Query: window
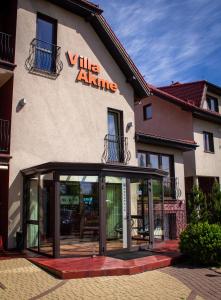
[115,138]
[156,161]
[208,142]
[163,162]
[45,58]
[212,104]
[153,161]
[142,159]
[147,112]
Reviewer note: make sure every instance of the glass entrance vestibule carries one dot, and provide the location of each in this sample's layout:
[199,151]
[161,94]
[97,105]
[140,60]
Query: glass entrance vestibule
[91,209]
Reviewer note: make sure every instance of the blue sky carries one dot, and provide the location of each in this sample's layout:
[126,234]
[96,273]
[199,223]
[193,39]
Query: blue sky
[169,40]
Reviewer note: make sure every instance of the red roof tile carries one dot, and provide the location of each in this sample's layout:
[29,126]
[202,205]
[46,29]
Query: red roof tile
[190,92]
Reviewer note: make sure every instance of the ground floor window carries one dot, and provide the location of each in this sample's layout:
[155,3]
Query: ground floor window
[163,162]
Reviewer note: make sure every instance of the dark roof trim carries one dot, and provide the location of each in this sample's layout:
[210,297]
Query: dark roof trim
[213,88]
[207,116]
[120,55]
[94,167]
[79,7]
[92,14]
[166,142]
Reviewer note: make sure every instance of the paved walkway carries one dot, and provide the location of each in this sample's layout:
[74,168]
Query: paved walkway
[20,279]
[202,281]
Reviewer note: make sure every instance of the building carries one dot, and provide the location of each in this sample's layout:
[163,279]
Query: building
[164,136]
[70,180]
[202,166]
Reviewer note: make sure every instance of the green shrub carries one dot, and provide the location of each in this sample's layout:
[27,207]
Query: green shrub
[201,242]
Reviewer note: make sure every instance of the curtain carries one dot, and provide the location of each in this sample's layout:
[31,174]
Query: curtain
[114,210]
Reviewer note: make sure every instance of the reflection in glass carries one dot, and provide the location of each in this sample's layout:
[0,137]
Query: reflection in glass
[154,161]
[79,215]
[32,236]
[46,216]
[33,200]
[139,212]
[116,221]
[141,159]
[157,209]
[32,213]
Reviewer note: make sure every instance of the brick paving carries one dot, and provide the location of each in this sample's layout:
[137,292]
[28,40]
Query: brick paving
[21,279]
[202,281]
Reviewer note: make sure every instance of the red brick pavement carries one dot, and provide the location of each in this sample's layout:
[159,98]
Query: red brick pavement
[202,281]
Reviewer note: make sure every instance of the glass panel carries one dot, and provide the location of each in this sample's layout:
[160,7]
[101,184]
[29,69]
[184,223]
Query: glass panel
[32,236]
[44,47]
[113,137]
[139,212]
[32,213]
[79,220]
[33,200]
[157,210]
[148,112]
[141,159]
[154,161]
[166,164]
[116,217]
[46,217]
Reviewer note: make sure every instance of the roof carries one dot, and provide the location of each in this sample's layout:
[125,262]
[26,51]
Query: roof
[67,168]
[184,145]
[191,92]
[92,14]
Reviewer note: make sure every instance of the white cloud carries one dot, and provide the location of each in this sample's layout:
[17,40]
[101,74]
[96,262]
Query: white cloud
[168,40]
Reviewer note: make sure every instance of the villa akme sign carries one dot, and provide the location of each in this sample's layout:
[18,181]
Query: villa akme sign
[88,73]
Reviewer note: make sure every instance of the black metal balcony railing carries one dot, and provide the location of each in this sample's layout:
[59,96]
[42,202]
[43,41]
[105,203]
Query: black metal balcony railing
[171,188]
[6,48]
[44,58]
[116,149]
[4,135]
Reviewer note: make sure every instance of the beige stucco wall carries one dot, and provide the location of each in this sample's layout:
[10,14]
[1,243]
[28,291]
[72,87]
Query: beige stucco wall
[63,120]
[207,164]
[178,162]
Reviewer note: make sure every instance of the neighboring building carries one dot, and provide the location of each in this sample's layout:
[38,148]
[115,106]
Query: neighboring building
[202,166]
[164,136]
[70,180]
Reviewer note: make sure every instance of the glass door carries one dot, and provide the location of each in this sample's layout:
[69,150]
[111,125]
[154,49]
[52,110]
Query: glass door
[46,214]
[158,211]
[114,139]
[32,218]
[79,215]
[45,43]
[116,213]
[140,229]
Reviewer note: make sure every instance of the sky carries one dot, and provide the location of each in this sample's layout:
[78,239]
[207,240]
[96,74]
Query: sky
[169,40]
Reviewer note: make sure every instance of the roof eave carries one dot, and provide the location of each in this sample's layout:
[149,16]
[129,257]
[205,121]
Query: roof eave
[160,141]
[81,8]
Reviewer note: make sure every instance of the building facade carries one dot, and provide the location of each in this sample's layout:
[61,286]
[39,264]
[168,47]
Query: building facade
[202,166]
[70,180]
[164,136]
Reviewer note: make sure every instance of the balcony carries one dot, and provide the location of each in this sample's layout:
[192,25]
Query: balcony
[44,59]
[116,149]
[6,48]
[171,188]
[4,136]
[6,57]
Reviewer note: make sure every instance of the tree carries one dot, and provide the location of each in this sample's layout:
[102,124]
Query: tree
[197,206]
[214,205]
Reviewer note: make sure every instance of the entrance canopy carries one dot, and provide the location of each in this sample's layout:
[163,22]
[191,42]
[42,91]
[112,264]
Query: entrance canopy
[65,167]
